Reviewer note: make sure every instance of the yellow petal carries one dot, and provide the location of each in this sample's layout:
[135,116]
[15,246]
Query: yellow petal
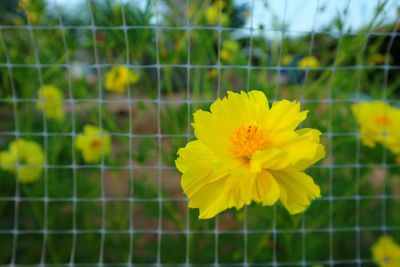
[266,189]
[297,190]
[7,161]
[305,149]
[194,152]
[284,115]
[210,199]
[270,158]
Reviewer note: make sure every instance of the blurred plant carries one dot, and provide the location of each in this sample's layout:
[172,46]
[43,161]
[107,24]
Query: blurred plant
[212,73]
[247,152]
[376,59]
[94,143]
[34,9]
[24,158]
[386,252]
[50,100]
[118,78]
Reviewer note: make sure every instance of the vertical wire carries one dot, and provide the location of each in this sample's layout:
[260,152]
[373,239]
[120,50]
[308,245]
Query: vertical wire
[45,199]
[245,219]
[17,197]
[188,117]
[274,215]
[159,136]
[303,216]
[385,85]
[100,111]
[71,101]
[130,117]
[331,261]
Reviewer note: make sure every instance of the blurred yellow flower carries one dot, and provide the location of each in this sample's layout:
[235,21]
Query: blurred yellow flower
[286,59]
[24,158]
[247,151]
[229,50]
[376,59]
[212,73]
[308,62]
[51,102]
[118,78]
[94,143]
[31,10]
[386,253]
[33,16]
[24,4]
[213,13]
[379,123]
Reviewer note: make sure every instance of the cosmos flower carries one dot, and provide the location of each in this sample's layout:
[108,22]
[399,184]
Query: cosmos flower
[379,123]
[286,59]
[51,101]
[213,12]
[228,50]
[386,253]
[118,78]
[247,151]
[94,143]
[24,158]
[308,62]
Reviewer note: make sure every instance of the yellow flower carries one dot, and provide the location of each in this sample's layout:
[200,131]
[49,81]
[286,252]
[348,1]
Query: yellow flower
[93,143]
[229,50]
[24,4]
[118,78]
[287,59]
[24,158]
[386,253]
[31,10]
[379,123]
[213,13]
[212,73]
[33,17]
[247,151]
[51,101]
[308,62]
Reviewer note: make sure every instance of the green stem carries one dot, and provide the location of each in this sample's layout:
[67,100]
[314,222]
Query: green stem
[26,189]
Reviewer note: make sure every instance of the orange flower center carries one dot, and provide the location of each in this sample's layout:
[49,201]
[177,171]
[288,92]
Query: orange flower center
[246,140]
[382,120]
[95,144]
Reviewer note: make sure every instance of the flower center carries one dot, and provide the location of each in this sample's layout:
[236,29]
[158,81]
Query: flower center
[382,120]
[246,140]
[95,144]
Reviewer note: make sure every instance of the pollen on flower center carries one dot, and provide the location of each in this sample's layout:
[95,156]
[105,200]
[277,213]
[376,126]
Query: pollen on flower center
[386,259]
[95,143]
[246,140]
[382,120]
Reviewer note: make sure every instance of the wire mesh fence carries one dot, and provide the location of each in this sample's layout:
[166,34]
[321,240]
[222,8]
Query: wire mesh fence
[96,98]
